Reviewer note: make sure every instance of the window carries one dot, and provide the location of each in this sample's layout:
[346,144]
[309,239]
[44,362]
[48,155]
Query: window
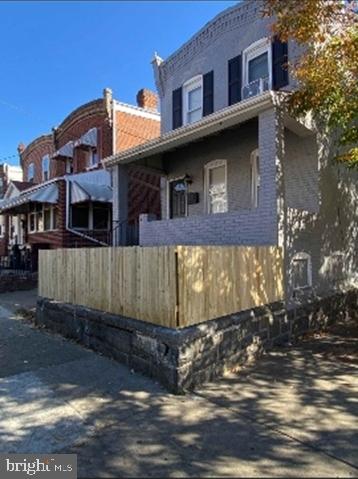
[301,271]
[69,166]
[92,158]
[255,178]
[193,99]
[257,68]
[30,172]
[80,216]
[45,168]
[100,217]
[215,185]
[47,219]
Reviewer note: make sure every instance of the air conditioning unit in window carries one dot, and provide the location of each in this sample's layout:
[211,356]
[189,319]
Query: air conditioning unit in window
[255,88]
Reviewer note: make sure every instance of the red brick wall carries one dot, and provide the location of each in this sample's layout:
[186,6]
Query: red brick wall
[91,115]
[34,153]
[132,130]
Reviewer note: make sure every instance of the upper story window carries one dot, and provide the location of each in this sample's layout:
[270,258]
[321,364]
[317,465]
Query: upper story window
[92,157]
[45,168]
[216,186]
[257,66]
[31,172]
[193,99]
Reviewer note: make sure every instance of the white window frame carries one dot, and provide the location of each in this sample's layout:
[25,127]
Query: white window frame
[302,256]
[211,166]
[31,167]
[188,86]
[255,177]
[69,166]
[255,50]
[35,214]
[90,155]
[45,158]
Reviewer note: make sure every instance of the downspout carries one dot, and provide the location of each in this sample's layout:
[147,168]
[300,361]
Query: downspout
[75,232]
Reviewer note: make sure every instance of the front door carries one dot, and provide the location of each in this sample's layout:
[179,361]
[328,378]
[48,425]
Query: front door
[177,199]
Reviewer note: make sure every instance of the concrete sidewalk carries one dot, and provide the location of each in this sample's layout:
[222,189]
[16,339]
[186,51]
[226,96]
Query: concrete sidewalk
[294,414]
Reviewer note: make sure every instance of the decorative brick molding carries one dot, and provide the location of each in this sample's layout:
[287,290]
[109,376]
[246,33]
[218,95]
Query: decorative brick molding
[182,359]
[232,18]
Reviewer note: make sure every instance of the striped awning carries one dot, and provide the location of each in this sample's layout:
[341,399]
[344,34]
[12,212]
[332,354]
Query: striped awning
[90,192]
[44,194]
[65,151]
[88,139]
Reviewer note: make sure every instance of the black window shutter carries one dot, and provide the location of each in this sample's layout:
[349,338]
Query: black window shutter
[279,64]
[208,96]
[235,80]
[177,108]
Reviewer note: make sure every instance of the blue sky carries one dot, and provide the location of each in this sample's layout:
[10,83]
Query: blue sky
[55,56]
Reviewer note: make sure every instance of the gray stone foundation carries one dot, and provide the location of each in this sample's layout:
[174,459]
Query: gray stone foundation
[185,358]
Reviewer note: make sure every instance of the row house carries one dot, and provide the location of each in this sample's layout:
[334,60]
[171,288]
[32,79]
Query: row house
[235,168]
[8,173]
[65,199]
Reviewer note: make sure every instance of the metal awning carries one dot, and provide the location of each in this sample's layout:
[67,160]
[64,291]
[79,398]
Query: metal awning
[65,151]
[90,192]
[45,194]
[88,139]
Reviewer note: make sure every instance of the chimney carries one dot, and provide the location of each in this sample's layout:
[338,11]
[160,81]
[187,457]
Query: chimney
[108,99]
[21,148]
[147,99]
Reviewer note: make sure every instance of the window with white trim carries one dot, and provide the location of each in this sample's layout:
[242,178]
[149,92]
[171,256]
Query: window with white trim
[193,99]
[92,157]
[31,172]
[45,167]
[257,68]
[301,271]
[69,166]
[42,218]
[255,178]
[216,186]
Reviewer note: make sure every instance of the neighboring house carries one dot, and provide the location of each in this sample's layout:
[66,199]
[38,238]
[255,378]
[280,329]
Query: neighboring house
[7,174]
[67,198]
[235,168]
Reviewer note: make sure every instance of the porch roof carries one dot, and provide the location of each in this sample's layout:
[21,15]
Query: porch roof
[81,192]
[214,123]
[44,194]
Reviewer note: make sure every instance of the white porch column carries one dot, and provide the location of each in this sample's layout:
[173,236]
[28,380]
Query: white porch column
[120,181]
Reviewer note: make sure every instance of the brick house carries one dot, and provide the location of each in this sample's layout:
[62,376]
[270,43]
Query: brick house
[66,199]
[235,168]
[7,174]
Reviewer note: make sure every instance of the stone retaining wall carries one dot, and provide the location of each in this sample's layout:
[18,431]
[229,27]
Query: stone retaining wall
[182,359]
[17,281]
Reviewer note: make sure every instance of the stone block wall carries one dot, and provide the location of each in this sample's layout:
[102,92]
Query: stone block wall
[182,359]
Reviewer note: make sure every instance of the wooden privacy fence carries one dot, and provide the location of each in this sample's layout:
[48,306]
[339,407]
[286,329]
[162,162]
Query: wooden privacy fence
[173,286]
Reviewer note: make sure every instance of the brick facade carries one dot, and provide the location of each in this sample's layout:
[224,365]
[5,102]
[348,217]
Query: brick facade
[34,153]
[119,126]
